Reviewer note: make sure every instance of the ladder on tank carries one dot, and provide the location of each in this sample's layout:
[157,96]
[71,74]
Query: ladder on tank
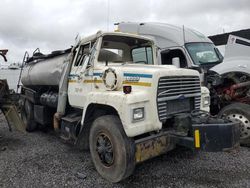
[25,60]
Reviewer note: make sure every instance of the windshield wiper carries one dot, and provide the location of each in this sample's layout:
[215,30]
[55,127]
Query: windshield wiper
[219,61]
[212,62]
[203,62]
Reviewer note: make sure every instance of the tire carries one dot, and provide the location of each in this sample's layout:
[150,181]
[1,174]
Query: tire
[27,115]
[239,112]
[118,163]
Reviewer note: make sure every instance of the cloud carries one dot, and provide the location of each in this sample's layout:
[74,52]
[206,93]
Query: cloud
[51,25]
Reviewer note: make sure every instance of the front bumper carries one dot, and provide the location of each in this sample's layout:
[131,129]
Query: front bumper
[205,137]
[216,137]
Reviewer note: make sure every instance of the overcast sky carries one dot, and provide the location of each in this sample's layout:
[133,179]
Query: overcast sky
[53,24]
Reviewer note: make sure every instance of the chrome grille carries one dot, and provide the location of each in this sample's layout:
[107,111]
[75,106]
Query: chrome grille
[174,89]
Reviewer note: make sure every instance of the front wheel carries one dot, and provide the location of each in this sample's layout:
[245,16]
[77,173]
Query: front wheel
[113,153]
[239,112]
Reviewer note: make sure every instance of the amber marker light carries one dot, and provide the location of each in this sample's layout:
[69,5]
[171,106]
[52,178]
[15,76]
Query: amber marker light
[127,89]
[197,138]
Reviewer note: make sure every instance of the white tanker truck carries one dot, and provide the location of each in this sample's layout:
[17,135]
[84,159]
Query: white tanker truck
[124,110]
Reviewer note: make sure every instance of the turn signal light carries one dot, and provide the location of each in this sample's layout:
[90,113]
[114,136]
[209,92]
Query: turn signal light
[127,89]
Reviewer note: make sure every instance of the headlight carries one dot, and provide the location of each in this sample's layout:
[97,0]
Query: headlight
[138,114]
[206,101]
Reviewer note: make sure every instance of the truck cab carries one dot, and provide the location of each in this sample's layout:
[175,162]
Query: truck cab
[104,66]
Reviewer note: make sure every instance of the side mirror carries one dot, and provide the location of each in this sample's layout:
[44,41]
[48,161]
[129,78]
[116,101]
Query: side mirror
[176,62]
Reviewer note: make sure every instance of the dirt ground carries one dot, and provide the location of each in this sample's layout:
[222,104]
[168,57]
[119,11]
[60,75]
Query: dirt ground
[43,160]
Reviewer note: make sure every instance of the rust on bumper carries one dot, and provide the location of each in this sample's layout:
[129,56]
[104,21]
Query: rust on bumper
[152,146]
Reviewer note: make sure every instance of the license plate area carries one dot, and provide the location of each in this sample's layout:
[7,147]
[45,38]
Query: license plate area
[180,106]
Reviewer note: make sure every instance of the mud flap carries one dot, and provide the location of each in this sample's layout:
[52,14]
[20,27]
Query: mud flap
[12,117]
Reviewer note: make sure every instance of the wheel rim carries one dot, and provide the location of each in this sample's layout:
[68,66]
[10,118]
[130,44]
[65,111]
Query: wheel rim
[104,149]
[244,124]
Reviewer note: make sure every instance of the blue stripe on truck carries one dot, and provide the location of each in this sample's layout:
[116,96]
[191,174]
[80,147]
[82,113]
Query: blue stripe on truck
[138,75]
[97,74]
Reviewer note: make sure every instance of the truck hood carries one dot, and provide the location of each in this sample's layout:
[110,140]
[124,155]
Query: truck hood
[157,70]
[233,64]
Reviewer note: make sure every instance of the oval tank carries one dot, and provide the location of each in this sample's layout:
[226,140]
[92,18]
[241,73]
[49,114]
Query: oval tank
[44,72]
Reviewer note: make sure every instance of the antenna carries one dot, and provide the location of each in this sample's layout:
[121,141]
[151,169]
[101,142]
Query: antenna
[184,42]
[77,38]
[108,15]
[183,32]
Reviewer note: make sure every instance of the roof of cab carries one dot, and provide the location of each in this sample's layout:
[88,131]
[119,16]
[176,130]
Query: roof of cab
[101,33]
[164,35]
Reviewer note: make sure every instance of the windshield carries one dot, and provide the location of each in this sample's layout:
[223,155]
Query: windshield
[203,53]
[124,49]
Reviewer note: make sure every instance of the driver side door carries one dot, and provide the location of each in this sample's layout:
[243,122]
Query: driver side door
[80,78]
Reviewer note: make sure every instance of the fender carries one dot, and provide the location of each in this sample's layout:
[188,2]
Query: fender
[123,103]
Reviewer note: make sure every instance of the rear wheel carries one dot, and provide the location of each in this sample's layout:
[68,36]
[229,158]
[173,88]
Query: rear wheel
[239,112]
[112,152]
[27,115]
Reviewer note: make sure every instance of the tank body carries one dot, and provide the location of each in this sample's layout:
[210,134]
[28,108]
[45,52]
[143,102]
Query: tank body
[44,72]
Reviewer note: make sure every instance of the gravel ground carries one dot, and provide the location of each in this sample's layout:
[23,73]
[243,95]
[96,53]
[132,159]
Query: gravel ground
[43,160]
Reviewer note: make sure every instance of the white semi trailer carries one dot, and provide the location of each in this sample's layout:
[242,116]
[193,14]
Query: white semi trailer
[124,110]
[228,82]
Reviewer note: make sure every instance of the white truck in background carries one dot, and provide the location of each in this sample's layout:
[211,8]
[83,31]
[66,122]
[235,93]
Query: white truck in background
[236,57]
[100,97]
[234,87]
[228,82]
